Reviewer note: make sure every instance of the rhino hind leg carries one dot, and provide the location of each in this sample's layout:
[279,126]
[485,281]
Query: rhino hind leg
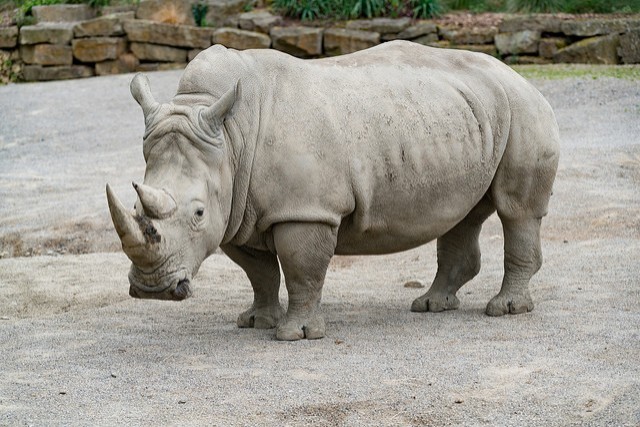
[521,191]
[263,272]
[522,259]
[304,250]
[458,261]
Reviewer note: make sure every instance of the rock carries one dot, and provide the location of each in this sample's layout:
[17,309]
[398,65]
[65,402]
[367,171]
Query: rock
[109,25]
[303,42]
[54,33]
[122,8]
[414,284]
[545,23]
[417,30]
[594,50]
[427,39]
[192,54]
[176,12]
[98,49]
[594,27]
[155,52]
[473,35]
[487,49]
[380,25]
[39,73]
[63,13]
[241,39]
[126,63]
[220,12]
[8,37]
[339,41]
[527,59]
[46,54]
[517,43]
[550,45]
[148,67]
[259,20]
[629,49]
[170,35]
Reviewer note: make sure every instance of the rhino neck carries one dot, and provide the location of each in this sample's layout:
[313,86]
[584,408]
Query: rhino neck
[242,138]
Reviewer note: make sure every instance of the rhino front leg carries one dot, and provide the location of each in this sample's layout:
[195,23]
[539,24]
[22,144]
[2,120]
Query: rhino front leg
[458,261]
[304,250]
[263,272]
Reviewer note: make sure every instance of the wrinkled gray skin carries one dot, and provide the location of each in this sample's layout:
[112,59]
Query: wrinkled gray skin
[272,158]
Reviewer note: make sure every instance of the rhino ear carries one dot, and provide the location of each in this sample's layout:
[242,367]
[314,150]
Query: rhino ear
[141,91]
[213,117]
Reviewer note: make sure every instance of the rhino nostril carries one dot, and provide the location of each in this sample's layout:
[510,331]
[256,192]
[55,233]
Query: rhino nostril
[182,290]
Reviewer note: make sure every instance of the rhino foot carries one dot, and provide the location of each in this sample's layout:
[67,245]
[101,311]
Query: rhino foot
[509,304]
[435,302]
[296,329]
[261,318]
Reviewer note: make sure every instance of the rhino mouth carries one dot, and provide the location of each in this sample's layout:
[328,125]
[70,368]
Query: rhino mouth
[177,289]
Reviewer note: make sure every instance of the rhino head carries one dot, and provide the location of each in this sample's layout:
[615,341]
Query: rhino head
[184,203]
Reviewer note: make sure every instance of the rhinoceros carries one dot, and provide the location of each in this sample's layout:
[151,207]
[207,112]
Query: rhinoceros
[283,162]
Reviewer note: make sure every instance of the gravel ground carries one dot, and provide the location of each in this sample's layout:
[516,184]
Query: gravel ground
[76,350]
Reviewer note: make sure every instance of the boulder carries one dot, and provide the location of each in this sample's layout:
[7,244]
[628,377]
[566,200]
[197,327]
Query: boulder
[109,25]
[165,66]
[53,33]
[8,37]
[594,50]
[594,27]
[39,73]
[380,25]
[241,39]
[517,43]
[303,42]
[427,39]
[339,41]
[629,49]
[170,35]
[98,49]
[176,12]
[259,20]
[221,12]
[527,60]
[471,35]
[192,54]
[155,52]
[550,45]
[419,29]
[63,13]
[545,23]
[126,63]
[46,54]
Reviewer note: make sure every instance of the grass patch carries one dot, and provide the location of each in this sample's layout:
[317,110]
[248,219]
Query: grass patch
[589,71]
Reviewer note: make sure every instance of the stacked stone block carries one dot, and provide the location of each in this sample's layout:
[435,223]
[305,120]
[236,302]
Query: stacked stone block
[69,41]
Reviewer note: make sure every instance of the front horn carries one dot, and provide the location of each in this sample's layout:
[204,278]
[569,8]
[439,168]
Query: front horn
[156,203]
[125,224]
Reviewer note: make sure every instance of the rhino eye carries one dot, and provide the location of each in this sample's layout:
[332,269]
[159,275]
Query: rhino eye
[200,212]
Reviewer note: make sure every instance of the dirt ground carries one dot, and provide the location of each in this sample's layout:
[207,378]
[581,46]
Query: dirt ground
[76,350]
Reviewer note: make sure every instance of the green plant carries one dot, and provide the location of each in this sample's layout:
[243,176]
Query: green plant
[426,8]
[199,11]
[367,8]
[536,6]
[303,9]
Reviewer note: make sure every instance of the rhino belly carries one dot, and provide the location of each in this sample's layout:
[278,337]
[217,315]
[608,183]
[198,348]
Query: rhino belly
[397,208]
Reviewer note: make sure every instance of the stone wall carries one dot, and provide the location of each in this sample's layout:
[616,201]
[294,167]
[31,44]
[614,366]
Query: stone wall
[71,41]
